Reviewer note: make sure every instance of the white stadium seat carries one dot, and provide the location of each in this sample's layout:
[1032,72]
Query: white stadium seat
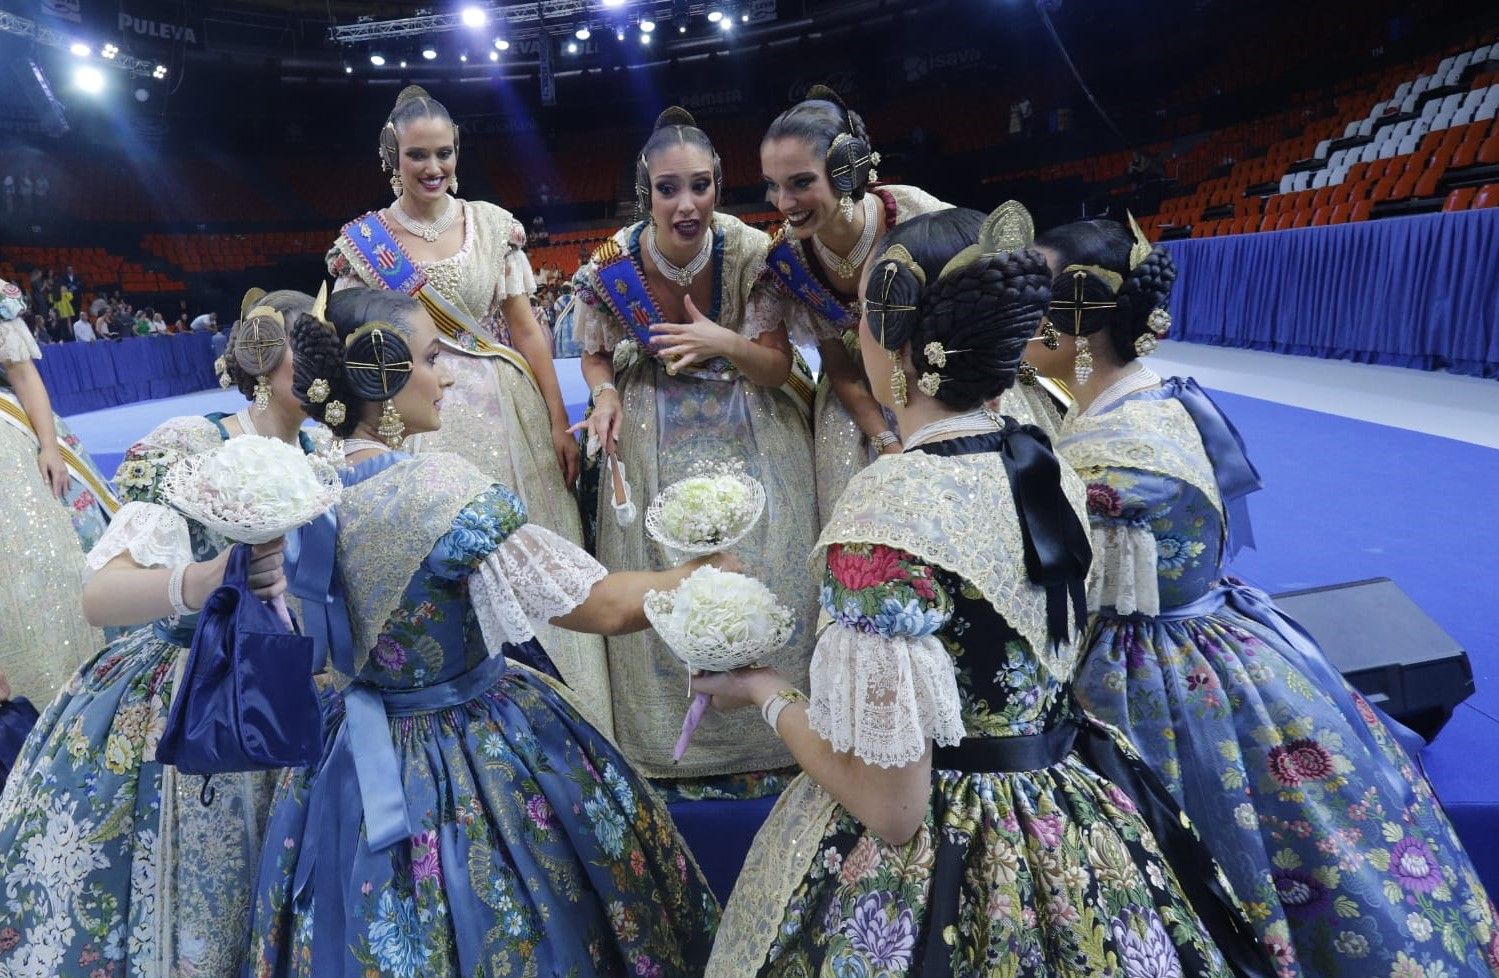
[1408,145]
[1302,181]
[1402,90]
[1338,175]
[1462,117]
[1287,184]
[1319,179]
[1321,151]
[1430,109]
[1485,112]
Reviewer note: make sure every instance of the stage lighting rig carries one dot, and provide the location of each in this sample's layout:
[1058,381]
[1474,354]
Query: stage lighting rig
[30,30]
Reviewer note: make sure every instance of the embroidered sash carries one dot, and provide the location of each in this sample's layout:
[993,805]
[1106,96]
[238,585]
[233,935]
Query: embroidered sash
[789,266]
[629,298]
[370,243]
[13,414]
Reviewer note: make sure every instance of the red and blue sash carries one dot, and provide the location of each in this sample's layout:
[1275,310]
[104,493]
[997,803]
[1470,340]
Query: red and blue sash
[789,266]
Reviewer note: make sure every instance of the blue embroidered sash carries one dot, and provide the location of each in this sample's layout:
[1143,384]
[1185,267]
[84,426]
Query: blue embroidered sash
[370,243]
[789,266]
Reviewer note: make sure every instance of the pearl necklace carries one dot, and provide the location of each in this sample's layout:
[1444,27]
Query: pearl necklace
[976,422]
[683,276]
[849,267]
[427,232]
[352,445]
[1140,379]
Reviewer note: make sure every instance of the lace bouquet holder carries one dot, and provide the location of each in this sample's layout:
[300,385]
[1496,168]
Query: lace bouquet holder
[246,700]
[717,621]
[709,511]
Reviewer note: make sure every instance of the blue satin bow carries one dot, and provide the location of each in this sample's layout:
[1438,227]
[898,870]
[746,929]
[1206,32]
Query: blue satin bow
[1235,474]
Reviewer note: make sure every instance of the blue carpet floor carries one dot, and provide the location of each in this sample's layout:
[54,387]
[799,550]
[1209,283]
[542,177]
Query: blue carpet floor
[1344,500]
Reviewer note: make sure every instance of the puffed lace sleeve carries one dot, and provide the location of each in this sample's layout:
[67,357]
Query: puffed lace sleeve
[516,275]
[17,343]
[770,306]
[882,683]
[594,325]
[519,574]
[150,531]
[1124,551]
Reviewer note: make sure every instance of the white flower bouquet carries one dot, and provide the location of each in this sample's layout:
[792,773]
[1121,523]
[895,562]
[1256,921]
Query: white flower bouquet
[706,512]
[716,621]
[252,490]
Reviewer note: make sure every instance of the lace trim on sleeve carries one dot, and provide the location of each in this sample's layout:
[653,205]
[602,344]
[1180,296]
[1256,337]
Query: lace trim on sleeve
[531,578]
[17,343]
[153,535]
[594,325]
[516,276]
[1124,574]
[883,697]
[769,308]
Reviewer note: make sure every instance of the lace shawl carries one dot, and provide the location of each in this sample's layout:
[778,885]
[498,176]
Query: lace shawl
[598,330]
[956,513]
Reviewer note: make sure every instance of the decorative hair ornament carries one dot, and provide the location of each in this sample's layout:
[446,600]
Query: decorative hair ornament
[936,354]
[1026,373]
[1008,227]
[259,345]
[221,371]
[1140,250]
[317,391]
[377,361]
[334,414]
[929,383]
[1158,324]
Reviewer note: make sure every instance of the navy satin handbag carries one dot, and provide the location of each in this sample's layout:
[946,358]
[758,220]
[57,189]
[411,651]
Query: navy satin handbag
[246,700]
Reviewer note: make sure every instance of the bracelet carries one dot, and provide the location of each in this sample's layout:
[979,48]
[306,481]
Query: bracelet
[600,388]
[174,592]
[885,439]
[772,708]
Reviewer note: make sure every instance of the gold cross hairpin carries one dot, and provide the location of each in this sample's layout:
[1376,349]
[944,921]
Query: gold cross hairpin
[381,364]
[1079,305]
[262,338]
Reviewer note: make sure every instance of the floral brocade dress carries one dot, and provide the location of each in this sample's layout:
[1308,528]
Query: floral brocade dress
[671,424]
[1329,834]
[465,819]
[43,636]
[1035,867]
[112,865]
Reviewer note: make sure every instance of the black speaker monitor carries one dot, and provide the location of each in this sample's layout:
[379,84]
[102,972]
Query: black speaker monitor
[1387,648]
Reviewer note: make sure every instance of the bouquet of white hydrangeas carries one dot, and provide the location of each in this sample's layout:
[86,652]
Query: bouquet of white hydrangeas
[716,621]
[252,490]
[708,511]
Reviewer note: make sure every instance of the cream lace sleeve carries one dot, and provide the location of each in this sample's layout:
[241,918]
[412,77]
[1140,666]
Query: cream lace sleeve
[533,577]
[153,535]
[1124,569]
[883,696]
[17,343]
[516,275]
[594,325]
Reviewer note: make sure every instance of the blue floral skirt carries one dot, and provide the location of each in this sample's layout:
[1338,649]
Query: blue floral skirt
[111,863]
[539,852]
[1343,855]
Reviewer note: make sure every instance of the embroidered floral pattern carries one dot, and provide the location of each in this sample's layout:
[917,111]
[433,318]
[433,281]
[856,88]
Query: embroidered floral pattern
[882,590]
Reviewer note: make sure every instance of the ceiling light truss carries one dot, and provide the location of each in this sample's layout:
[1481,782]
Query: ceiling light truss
[518,20]
[40,33]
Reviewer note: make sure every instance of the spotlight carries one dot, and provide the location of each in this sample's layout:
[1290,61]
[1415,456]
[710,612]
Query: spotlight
[572,47]
[463,58]
[583,33]
[619,33]
[348,69]
[645,39]
[681,28]
[429,53]
[494,56]
[403,62]
[502,44]
[109,51]
[159,72]
[612,4]
[80,50]
[714,16]
[474,17]
[647,25]
[744,18]
[726,25]
[378,60]
[89,79]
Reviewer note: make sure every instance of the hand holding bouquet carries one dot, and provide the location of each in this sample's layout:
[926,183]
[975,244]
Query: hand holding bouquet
[716,621]
[253,490]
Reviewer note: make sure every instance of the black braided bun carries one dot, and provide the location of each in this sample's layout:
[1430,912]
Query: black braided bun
[674,127]
[981,313]
[291,304]
[1107,245]
[321,353]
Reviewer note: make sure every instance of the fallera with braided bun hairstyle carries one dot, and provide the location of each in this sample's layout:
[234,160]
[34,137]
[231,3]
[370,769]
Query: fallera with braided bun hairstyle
[91,760]
[938,735]
[465,260]
[679,381]
[462,791]
[1175,647]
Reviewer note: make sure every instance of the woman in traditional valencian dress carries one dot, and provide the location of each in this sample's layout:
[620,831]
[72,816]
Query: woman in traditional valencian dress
[956,815]
[466,261]
[1334,840]
[465,819]
[680,378]
[111,860]
[54,498]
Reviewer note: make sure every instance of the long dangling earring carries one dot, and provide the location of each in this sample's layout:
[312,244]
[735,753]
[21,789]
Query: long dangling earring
[453,184]
[391,426]
[898,381]
[846,208]
[396,187]
[1082,365]
[262,393]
